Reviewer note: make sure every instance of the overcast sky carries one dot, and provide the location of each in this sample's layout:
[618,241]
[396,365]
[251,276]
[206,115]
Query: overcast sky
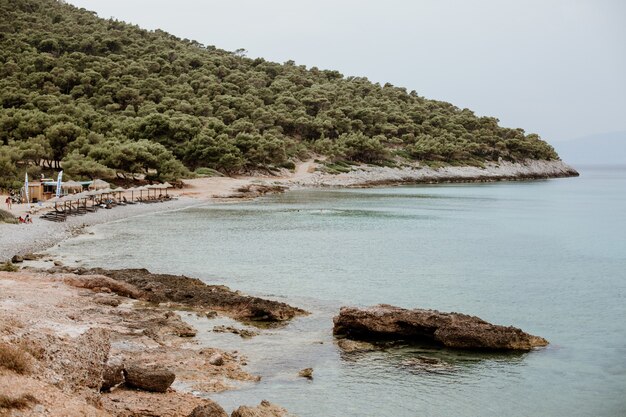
[554,67]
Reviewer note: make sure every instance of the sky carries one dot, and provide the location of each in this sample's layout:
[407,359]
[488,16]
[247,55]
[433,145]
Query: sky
[552,67]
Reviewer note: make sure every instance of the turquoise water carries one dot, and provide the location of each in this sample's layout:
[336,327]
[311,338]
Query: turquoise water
[546,256]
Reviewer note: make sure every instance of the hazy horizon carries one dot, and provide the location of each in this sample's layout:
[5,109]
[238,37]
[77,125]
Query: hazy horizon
[555,69]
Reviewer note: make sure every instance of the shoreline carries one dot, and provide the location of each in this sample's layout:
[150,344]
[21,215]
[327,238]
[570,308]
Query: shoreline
[21,239]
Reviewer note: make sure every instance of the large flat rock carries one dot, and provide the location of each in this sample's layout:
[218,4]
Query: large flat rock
[452,330]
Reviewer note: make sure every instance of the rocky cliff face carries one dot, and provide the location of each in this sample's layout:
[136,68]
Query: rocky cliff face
[452,330]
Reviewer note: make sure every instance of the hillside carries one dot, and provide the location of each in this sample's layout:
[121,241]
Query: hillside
[103,98]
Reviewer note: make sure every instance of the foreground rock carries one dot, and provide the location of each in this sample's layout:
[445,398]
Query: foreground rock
[453,330]
[265,409]
[208,410]
[148,378]
[194,293]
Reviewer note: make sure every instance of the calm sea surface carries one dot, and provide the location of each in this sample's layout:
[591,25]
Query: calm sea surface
[546,256]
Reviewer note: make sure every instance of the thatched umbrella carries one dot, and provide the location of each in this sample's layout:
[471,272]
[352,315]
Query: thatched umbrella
[141,190]
[119,191]
[98,185]
[167,185]
[132,192]
[72,186]
[55,200]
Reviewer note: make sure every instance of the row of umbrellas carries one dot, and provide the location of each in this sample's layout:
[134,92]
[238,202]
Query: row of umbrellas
[95,185]
[98,190]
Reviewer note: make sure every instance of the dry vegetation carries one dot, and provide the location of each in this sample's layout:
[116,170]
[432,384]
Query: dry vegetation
[14,359]
[20,402]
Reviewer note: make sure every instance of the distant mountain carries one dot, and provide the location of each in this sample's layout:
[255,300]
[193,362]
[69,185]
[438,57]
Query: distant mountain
[600,149]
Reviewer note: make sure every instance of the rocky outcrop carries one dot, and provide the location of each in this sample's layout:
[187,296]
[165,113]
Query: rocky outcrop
[452,330]
[148,378]
[74,363]
[265,409]
[190,292]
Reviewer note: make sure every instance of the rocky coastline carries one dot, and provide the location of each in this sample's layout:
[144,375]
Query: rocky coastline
[370,176]
[112,343]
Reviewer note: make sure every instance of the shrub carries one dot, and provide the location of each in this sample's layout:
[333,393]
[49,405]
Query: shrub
[14,359]
[207,172]
[6,217]
[22,401]
[8,267]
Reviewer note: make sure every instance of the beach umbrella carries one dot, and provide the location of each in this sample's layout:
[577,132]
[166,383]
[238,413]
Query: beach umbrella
[132,192]
[141,190]
[167,185]
[71,186]
[119,191]
[55,200]
[98,185]
[153,187]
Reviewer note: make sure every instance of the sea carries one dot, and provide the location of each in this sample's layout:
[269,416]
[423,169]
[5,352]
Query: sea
[547,256]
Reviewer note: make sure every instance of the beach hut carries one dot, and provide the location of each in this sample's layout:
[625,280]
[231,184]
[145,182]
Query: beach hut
[99,185]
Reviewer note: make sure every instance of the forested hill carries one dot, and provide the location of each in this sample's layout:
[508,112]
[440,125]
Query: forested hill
[102,98]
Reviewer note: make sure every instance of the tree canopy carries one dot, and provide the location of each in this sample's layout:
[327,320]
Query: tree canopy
[103,97]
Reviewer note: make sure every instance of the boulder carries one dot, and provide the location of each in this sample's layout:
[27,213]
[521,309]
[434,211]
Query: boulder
[216,359]
[148,378]
[210,409]
[265,409]
[16,259]
[452,330]
[113,374]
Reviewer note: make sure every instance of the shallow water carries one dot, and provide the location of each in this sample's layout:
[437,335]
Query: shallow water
[546,256]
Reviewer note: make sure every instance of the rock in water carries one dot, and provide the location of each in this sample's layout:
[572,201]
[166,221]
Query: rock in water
[352,346]
[306,373]
[210,409]
[265,409]
[453,330]
[148,378]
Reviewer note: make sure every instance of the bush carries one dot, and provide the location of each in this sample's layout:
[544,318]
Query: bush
[8,267]
[6,217]
[22,401]
[207,172]
[14,359]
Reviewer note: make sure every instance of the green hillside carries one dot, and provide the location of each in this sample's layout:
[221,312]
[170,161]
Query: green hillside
[103,98]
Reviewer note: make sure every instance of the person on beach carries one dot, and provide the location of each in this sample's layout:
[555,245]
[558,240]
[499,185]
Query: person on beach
[28,219]
[9,202]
